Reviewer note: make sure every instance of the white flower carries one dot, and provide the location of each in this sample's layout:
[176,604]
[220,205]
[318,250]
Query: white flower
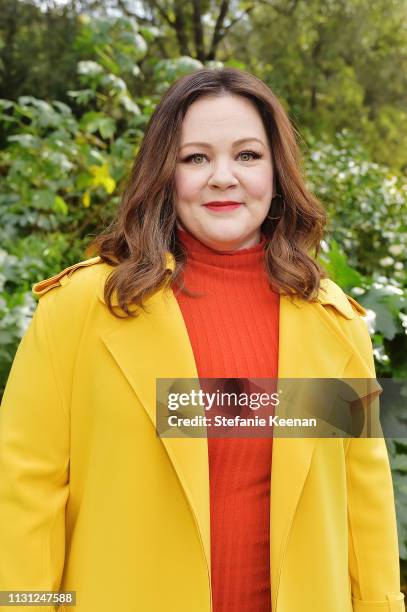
[324,246]
[89,67]
[380,355]
[396,249]
[25,312]
[385,262]
[358,291]
[370,319]
[392,290]
[403,318]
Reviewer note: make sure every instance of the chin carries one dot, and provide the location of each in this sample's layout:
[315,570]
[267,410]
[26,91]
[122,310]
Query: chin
[225,237]
[225,230]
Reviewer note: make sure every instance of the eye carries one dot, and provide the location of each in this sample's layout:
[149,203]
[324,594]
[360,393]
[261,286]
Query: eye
[253,153]
[193,156]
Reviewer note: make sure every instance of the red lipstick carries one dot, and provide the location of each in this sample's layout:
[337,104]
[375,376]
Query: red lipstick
[223,205]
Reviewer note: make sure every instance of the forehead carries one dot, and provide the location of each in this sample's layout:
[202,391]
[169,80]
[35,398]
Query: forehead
[207,116]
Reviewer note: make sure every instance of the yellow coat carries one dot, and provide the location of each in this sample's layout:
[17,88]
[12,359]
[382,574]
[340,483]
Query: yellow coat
[91,500]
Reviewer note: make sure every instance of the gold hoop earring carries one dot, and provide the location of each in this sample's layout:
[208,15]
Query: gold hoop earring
[280,197]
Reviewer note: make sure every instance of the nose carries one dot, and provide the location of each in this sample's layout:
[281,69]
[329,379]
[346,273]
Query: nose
[222,175]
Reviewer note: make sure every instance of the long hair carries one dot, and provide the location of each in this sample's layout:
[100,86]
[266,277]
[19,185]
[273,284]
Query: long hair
[144,228]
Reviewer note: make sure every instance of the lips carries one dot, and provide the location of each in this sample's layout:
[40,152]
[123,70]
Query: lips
[223,206]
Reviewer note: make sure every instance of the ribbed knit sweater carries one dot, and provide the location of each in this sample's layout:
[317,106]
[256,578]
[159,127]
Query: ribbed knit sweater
[233,330]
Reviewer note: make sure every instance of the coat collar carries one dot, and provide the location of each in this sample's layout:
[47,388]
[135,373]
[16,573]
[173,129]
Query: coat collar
[166,352]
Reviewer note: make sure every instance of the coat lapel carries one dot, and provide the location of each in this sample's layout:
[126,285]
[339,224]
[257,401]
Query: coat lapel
[306,335]
[165,352]
[300,330]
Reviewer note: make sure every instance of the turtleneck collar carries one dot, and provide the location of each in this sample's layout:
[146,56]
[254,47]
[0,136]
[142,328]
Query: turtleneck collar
[200,253]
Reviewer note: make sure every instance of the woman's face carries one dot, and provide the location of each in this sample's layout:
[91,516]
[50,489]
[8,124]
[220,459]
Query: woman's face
[224,156]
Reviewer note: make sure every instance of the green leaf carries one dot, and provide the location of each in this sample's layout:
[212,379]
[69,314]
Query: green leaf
[63,108]
[93,121]
[149,33]
[27,141]
[83,96]
[399,463]
[337,266]
[386,321]
[6,103]
[129,105]
[60,205]
[43,199]
[107,127]
[90,121]
[41,105]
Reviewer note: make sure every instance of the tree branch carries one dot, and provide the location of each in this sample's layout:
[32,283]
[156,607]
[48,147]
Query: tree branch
[216,37]
[198,30]
[122,5]
[221,31]
[180,29]
[162,12]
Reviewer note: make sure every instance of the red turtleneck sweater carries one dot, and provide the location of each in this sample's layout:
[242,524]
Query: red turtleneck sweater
[233,331]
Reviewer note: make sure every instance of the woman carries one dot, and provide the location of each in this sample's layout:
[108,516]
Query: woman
[207,271]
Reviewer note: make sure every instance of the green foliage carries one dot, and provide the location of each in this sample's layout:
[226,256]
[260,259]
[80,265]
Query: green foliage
[366,203]
[337,266]
[336,65]
[36,50]
[16,304]
[366,248]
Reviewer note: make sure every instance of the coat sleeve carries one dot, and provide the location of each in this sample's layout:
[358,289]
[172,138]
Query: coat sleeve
[374,569]
[34,467]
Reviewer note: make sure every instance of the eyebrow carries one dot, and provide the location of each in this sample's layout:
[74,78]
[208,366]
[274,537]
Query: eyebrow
[207,144]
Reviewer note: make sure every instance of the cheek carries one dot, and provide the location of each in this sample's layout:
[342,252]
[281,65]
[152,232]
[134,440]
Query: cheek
[260,184]
[187,184]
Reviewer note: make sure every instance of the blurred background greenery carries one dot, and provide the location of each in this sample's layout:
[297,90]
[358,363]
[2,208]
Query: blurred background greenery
[79,79]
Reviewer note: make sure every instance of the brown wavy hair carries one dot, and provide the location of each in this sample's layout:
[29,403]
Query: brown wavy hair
[144,228]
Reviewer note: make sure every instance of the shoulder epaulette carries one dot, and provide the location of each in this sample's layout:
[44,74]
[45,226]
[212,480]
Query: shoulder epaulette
[331,294]
[62,277]
[360,309]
